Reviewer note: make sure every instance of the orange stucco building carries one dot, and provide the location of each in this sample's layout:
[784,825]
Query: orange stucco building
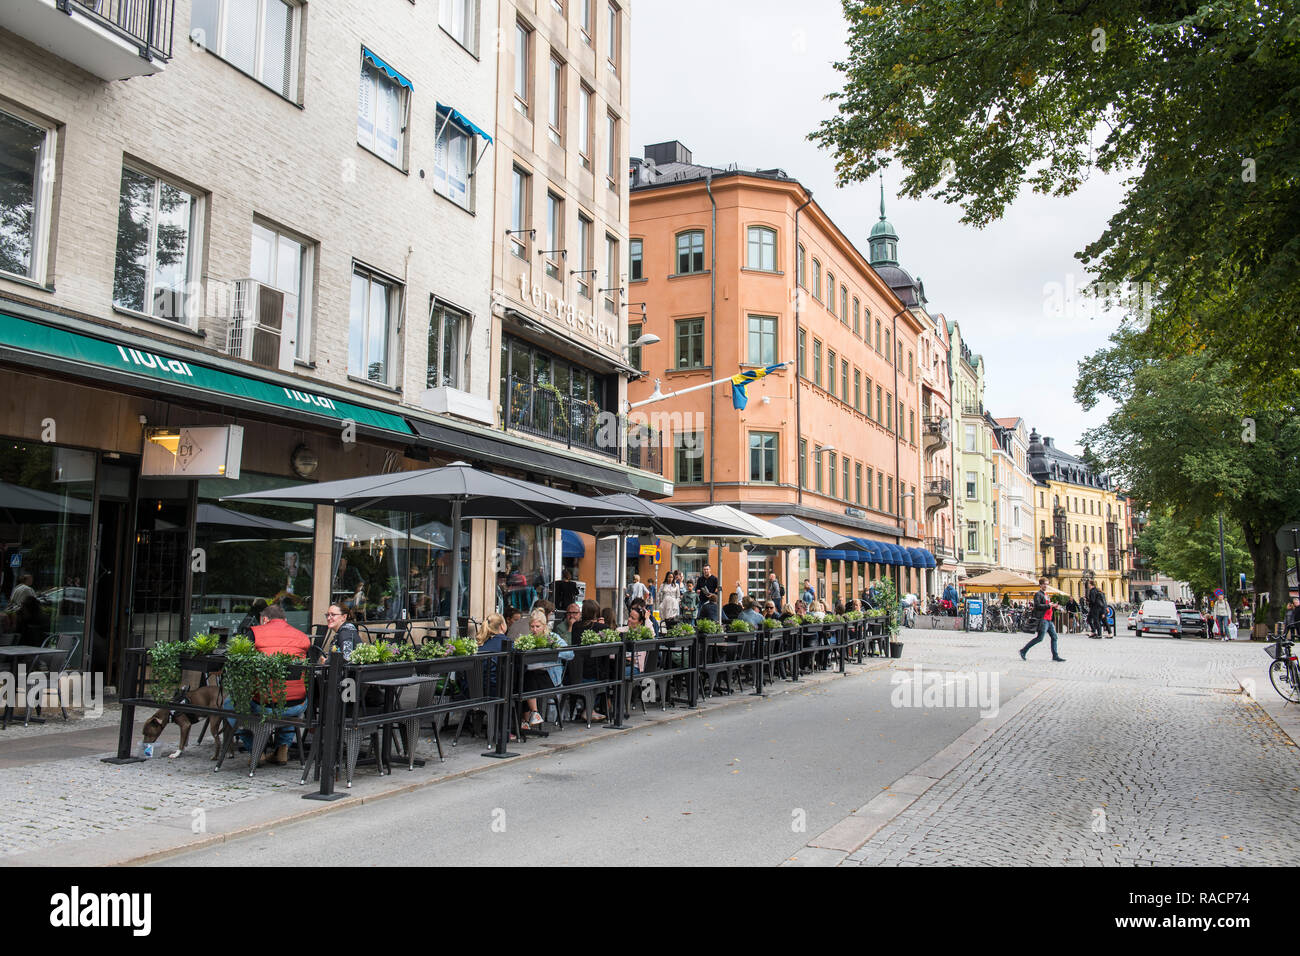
[742,269]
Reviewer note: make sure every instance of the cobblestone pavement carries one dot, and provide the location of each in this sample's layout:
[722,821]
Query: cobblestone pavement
[1137,752]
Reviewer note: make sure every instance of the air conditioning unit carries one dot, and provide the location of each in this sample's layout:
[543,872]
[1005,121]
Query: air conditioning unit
[263,325]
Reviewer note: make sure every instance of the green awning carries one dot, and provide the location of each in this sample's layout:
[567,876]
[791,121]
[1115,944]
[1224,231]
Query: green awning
[158,366]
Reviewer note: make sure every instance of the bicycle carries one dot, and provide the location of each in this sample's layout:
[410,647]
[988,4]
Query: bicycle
[1284,672]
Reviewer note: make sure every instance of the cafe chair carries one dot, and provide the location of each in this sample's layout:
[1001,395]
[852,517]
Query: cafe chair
[47,672]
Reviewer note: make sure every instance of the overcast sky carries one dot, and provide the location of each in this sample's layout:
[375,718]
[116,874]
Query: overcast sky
[743,81]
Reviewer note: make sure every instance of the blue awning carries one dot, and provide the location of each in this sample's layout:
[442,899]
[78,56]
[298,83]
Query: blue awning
[460,119]
[918,559]
[928,557]
[823,555]
[870,550]
[392,74]
[894,555]
[572,545]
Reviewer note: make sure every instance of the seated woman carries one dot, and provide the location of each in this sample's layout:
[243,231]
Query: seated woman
[341,633]
[539,624]
[491,640]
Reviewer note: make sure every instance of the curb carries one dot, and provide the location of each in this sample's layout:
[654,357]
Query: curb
[320,810]
[1283,715]
[834,845]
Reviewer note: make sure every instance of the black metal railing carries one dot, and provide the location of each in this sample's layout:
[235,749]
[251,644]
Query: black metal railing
[935,426]
[546,412]
[147,24]
[940,548]
[940,486]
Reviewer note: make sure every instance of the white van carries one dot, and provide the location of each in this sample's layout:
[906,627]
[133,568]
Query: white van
[1158,617]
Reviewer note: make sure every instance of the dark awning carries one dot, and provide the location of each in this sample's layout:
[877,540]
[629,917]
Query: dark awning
[498,452]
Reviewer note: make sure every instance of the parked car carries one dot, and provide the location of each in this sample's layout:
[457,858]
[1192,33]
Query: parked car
[1193,622]
[1158,617]
[1132,620]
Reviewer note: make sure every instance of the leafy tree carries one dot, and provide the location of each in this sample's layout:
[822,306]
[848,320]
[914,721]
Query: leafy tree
[1194,100]
[1181,438]
[1188,550]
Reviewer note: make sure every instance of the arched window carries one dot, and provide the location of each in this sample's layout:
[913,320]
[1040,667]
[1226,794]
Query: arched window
[762,249]
[844,304]
[817,280]
[830,292]
[690,252]
[801,269]
[857,316]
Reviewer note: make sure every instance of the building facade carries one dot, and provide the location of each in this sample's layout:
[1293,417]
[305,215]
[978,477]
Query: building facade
[1083,523]
[977,522]
[1017,539]
[742,269]
[282,230]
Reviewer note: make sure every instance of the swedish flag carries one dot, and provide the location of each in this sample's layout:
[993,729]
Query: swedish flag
[738,382]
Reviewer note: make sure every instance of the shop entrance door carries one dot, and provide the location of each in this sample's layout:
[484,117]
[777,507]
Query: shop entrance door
[159,597]
[111,573]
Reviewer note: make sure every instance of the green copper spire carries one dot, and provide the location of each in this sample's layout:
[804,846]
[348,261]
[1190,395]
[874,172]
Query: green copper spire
[884,239]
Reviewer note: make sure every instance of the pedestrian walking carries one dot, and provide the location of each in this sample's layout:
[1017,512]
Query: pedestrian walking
[775,593]
[1043,615]
[1096,611]
[1221,614]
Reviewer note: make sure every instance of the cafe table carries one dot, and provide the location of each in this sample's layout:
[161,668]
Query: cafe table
[11,656]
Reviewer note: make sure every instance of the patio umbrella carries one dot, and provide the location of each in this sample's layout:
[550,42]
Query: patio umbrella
[248,527]
[821,537]
[1000,581]
[450,494]
[359,530]
[756,530]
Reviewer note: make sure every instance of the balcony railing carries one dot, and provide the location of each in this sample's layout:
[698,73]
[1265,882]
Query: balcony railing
[938,487]
[544,411]
[939,547]
[147,24]
[937,431]
[972,408]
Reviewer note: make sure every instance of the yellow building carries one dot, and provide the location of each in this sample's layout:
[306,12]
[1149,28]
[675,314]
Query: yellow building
[1082,523]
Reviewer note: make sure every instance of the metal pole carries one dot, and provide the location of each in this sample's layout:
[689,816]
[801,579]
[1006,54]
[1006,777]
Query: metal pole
[327,744]
[1223,565]
[453,604]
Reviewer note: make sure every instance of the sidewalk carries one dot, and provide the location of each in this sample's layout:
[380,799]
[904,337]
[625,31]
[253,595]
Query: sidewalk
[1256,686]
[65,807]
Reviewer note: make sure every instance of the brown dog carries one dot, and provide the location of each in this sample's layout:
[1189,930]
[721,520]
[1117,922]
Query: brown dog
[200,697]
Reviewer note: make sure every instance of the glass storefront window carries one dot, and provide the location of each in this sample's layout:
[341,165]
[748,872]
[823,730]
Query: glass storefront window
[255,554]
[690,563]
[45,504]
[524,565]
[758,565]
[392,565]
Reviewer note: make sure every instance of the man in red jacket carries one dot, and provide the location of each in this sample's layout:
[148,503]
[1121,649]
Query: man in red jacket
[274,635]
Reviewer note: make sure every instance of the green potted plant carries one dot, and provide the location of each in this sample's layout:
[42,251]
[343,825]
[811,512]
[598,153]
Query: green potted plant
[889,598]
[639,634]
[740,627]
[707,626]
[681,631]
[249,673]
[165,668]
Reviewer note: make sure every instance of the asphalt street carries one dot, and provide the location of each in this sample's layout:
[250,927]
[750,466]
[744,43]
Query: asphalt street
[746,785]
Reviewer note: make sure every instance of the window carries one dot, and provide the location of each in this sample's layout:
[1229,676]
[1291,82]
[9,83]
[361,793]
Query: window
[634,352]
[972,537]
[857,482]
[587,19]
[523,67]
[830,292]
[833,471]
[762,249]
[370,326]
[688,458]
[801,343]
[890,499]
[844,380]
[817,280]
[801,268]
[158,229]
[257,37]
[26,151]
[909,366]
[857,316]
[555,113]
[690,343]
[970,486]
[611,272]
[877,335]
[889,349]
[857,389]
[844,304]
[889,411]
[871,495]
[611,133]
[911,426]
[803,463]
[817,467]
[453,160]
[584,126]
[448,337]
[830,370]
[880,405]
[634,270]
[285,263]
[520,211]
[845,462]
[868,398]
[817,362]
[880,490]
[762,340]
[611,52]
[970,438]
[381,110]
[762,456]
[458,18]
[690,252]
[554,234]
[584,256]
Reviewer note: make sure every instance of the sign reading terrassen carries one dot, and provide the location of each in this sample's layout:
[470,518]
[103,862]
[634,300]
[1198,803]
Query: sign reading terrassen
[566,312]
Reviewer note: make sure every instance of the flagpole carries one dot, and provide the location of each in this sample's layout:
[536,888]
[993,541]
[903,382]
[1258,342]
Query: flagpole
[693,388]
